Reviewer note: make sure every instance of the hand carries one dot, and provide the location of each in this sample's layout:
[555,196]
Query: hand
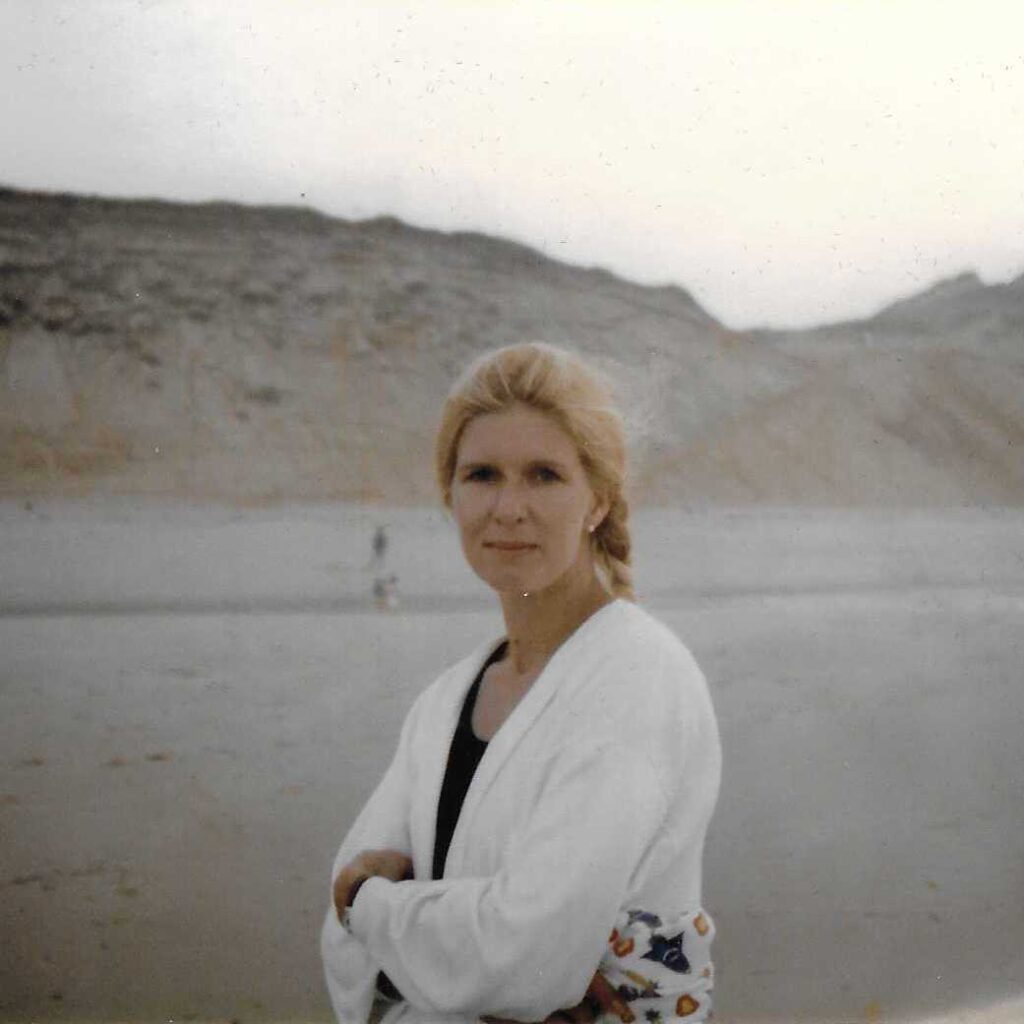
[600,998]
[389,864]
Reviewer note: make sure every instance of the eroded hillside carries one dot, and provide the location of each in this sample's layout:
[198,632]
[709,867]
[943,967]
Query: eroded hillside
[220,352]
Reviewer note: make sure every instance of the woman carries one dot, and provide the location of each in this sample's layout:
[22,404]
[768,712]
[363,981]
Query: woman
[535,845]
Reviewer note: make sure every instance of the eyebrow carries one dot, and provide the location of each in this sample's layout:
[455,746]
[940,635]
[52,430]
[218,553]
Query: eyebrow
[553,463]
[532,464]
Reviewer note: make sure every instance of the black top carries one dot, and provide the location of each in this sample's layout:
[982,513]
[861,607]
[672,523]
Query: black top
[463,757]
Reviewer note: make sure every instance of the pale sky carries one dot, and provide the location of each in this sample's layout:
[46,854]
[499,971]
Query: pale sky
[788,163]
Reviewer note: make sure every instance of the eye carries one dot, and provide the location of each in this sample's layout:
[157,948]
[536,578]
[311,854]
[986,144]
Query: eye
[480,474]
[546,474]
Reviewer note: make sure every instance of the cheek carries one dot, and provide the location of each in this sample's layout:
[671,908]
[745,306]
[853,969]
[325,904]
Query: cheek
[467,510]
[569,514]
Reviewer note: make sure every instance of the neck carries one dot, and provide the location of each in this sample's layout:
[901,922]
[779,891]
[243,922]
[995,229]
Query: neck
[537,623]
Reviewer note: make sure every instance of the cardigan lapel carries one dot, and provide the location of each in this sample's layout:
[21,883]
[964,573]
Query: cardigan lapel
[514,728]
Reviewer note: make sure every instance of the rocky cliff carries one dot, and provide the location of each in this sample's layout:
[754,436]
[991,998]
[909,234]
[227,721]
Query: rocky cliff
[222,352]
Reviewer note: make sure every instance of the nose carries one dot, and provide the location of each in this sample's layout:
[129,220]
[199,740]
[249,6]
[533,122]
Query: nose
[509,503]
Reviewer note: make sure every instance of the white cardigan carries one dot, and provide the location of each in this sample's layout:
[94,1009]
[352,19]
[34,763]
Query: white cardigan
[593,797]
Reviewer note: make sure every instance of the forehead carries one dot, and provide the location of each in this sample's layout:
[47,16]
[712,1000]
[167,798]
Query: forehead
[518,434]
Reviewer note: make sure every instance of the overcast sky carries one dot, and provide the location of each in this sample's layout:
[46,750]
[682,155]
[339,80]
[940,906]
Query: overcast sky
[788,163]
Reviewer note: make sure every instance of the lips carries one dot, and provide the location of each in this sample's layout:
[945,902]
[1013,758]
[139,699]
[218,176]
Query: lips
[509,545]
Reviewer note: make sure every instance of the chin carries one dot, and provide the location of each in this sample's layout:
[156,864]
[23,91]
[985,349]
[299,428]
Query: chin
[505,585]
[519,584]
[508,582]
[518,579]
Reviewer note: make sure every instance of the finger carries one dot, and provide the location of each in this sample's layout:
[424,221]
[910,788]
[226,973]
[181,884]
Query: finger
[601,994]
[621,1010]
[558,1017]
[597,1008]
[346,879]
[609,1000]
[582,1013]
[342,884]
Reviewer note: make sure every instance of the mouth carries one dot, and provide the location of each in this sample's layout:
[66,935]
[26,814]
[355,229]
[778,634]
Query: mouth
[508,545]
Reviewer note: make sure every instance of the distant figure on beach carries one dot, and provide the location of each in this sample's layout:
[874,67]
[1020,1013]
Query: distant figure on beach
[385,592]
[534,850]
[380,545]
[385,587]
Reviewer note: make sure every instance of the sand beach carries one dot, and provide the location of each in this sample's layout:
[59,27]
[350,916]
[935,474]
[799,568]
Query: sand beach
[194,702]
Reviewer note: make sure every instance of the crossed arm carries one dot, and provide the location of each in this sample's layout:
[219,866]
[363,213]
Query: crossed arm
[513,945]
[599,999]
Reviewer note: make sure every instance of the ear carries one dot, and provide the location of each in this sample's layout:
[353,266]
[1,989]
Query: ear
[598,512]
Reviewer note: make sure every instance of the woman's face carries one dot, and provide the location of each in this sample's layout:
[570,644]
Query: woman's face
[522,501]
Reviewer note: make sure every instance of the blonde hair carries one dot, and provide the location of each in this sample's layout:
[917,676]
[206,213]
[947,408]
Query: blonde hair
[560,384]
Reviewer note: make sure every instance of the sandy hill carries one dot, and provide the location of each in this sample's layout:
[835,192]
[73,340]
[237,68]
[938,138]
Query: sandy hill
[259,354]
